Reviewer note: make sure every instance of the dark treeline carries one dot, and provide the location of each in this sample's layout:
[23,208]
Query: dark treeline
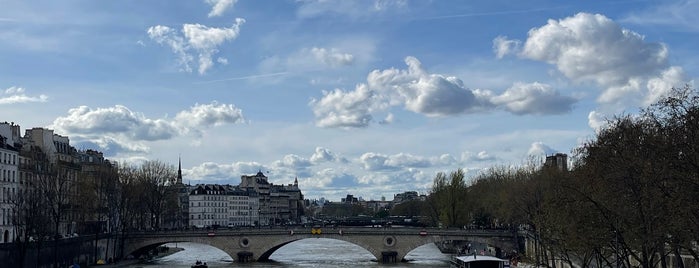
[631,191]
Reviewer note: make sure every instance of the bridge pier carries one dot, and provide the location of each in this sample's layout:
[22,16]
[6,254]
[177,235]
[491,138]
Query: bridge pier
[245,256]
[389,257]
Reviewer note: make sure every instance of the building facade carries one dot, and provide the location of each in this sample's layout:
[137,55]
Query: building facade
[212,205]
[9,179]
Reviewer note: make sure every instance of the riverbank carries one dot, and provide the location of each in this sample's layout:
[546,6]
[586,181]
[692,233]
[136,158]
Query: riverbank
[135,262]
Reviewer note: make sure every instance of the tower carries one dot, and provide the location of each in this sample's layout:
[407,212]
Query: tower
[179,171]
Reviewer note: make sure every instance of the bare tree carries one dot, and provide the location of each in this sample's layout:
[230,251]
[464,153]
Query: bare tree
[157,178]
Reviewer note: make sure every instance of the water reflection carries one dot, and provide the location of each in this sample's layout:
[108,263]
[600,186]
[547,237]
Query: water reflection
[313,252]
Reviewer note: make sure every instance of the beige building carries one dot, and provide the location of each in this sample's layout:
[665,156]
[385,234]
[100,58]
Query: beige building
[279,204]
[213,205]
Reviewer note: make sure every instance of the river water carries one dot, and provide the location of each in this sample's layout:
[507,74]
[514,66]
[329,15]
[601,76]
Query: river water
[312,252]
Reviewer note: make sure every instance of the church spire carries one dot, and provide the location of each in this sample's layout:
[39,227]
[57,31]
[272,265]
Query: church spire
[296,181]
[179,170]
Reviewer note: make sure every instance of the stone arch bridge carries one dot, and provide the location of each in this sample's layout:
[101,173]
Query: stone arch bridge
[386,244]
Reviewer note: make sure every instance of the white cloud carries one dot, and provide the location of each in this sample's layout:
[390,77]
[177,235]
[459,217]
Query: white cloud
[429,94]
[219,6]
[344,109]
[503,46]
[195,39]
[332,57]
[322,155]
[533,98]
[204,115]
[479,157]
[596,120]
[293,161]
[380,162]
[119,129]
[592,47]
[421,92]
[14,95]
[540,149]
[114,120]
[659,87]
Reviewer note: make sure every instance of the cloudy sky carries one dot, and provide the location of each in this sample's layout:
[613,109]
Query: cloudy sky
[370,97]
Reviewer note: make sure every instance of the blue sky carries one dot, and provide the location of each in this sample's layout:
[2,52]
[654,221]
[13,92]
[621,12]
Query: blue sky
[370,98]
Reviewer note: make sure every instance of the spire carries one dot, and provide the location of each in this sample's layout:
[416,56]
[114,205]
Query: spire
[179,170]
[296,181]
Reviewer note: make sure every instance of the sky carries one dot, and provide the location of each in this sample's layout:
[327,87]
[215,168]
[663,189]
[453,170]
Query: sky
[368,97]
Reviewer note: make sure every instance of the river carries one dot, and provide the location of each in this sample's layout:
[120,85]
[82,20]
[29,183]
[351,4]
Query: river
[312,252]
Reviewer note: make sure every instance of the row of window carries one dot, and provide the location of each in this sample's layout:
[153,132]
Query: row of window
[8,176]
[6,158]
[6,217]
[6,194]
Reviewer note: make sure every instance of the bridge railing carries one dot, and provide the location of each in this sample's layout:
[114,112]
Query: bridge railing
[299,230]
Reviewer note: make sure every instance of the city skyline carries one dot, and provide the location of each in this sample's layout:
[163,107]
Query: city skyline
[370,98]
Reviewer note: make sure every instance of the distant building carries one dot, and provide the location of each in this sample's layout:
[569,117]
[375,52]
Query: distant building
[278,204]
[559,161]
[222,205]
[349,199]
[405,196]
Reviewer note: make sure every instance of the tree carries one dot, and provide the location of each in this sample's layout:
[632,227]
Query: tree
[449,193]
[30,220]
[157,178]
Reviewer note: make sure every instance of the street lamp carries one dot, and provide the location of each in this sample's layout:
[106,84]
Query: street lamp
[259,211]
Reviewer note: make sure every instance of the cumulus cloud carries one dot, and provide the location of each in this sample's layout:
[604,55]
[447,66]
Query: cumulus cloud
[195,40]
[293,161]
[533,98]
[596,120]
[213,114]
[15,95]
[421,92]
[477,157]
[322,155]
[591,47]
[117,119]
[540,149]
[110,126]
[219,6]
[380,162]
[339,108]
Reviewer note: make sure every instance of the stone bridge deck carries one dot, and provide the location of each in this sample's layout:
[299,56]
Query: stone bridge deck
[386,244]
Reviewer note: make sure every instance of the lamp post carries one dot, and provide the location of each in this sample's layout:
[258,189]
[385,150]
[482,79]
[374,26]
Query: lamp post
[259,210]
